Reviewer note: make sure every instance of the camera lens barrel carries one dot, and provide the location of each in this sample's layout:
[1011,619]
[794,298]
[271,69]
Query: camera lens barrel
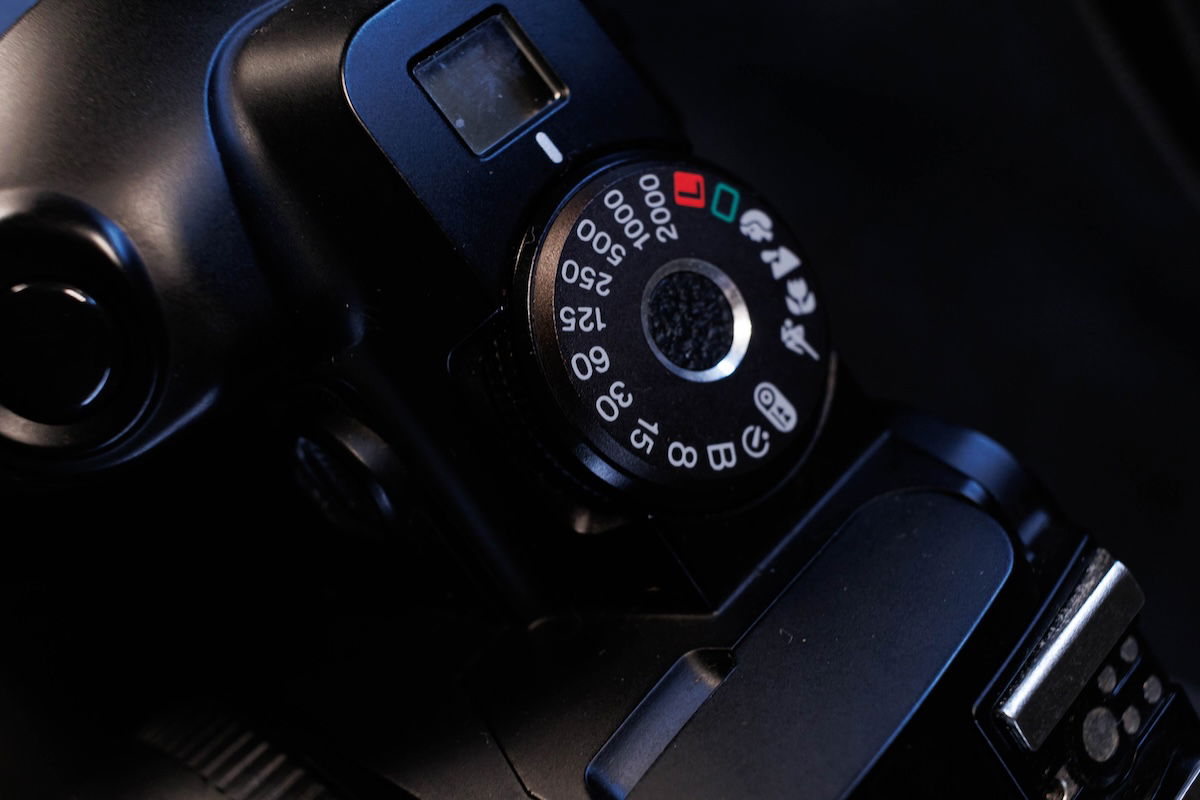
[679,331]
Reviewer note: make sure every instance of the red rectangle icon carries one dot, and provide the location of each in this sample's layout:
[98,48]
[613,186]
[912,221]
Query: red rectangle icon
[689,189]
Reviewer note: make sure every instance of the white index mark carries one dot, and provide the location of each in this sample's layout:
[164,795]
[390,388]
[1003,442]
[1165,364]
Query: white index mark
[546,144]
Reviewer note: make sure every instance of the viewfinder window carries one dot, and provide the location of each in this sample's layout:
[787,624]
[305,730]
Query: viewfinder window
[489,82]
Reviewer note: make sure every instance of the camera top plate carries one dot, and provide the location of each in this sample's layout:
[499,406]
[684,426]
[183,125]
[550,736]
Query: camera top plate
[481,201]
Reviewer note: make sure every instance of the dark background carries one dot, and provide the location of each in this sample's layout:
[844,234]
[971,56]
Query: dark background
[999,209]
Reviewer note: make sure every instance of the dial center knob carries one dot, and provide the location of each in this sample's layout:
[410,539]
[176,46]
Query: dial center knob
[695,320]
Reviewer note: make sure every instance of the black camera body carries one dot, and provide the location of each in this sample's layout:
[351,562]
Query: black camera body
[519,346]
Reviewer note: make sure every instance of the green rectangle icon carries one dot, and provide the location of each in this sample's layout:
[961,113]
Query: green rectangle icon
[725,195]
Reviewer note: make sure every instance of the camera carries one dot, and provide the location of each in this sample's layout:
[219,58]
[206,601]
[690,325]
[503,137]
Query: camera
[503,440]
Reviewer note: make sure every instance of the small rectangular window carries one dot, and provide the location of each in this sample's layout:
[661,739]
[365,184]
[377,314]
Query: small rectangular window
[489,82]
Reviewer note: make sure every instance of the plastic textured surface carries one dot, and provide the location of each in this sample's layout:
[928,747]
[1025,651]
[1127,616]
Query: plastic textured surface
[103,103]
[11,11]
[842,660]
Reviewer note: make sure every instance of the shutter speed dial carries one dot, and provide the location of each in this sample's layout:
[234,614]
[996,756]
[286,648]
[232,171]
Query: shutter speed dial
[679,331]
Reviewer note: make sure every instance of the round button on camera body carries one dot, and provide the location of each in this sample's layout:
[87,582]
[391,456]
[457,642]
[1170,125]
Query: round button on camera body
[679,331]
[79,359]
[58,354]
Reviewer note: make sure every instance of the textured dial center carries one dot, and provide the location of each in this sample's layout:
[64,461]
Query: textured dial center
[689,320]
[695,320]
